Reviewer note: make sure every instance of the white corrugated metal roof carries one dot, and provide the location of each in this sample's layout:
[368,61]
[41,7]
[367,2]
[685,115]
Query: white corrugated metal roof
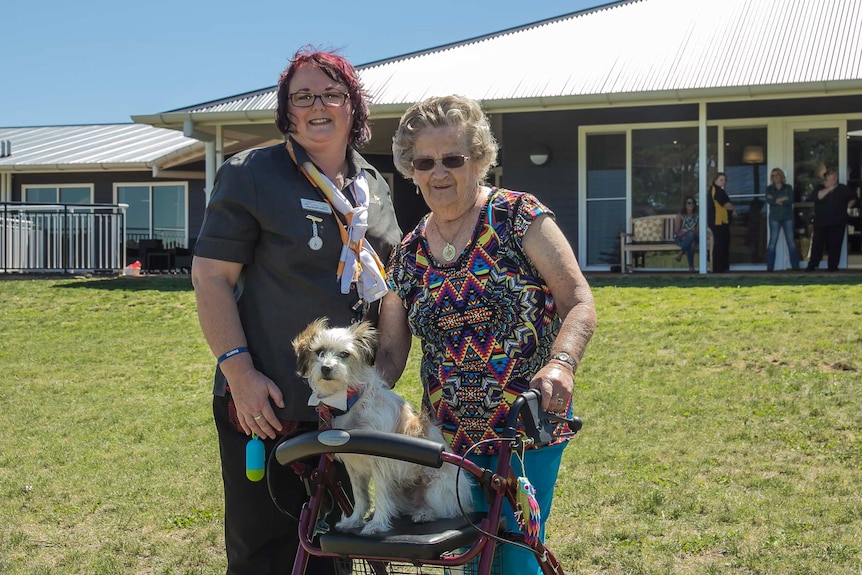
[105,146]
[625,50]
[264,99]
[642,46]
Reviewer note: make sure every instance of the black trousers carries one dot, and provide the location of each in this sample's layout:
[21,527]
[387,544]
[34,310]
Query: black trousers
[831,238]
[720,248]
[259,538]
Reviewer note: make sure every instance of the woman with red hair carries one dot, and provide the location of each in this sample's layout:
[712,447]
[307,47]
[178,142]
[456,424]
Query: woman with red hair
[270,259]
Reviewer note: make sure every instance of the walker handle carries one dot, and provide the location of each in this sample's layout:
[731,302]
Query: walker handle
[538,425]
[365,442]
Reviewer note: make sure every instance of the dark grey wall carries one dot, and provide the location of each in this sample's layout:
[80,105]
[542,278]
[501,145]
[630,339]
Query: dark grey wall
[556,183]
[778,108]
[409,206]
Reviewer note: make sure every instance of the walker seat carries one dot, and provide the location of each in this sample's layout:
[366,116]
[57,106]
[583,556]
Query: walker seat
[406,540]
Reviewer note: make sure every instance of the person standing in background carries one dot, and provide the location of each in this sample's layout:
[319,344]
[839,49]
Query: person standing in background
[831,202]
[719,209]
[779,196]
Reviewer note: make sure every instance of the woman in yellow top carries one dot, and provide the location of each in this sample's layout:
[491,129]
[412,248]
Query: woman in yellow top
[718,216]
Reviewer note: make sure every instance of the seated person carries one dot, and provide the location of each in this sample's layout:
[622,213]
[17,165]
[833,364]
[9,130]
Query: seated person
[686,230]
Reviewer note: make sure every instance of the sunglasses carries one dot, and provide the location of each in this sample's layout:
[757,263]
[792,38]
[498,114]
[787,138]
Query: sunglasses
[689,203]
[449,162]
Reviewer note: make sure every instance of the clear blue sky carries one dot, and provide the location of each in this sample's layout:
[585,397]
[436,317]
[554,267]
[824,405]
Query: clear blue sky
[101,61]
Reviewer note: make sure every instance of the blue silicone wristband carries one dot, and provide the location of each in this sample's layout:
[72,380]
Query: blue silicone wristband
[231,353]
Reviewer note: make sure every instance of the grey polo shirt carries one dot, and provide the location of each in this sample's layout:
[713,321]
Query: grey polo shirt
[257,216]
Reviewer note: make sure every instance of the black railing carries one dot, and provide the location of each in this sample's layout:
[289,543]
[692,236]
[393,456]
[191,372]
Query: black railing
[62,238]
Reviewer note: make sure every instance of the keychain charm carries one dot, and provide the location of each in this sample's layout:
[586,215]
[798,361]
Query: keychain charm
[315,242]
[528,515]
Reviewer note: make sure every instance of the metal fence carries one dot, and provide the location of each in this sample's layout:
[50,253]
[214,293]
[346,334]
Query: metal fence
[62,238]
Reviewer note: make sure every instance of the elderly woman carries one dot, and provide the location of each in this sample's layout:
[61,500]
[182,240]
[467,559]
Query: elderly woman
[492,289]
[268,261]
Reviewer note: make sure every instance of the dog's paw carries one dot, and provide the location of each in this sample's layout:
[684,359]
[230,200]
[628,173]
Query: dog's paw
[349,523]
[373,527]
[423,516]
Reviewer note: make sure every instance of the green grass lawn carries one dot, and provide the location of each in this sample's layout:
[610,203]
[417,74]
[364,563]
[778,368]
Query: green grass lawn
[722,429]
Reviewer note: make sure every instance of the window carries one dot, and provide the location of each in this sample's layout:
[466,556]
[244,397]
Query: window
[636,172]
[75,194]
[156,211]
[664,170]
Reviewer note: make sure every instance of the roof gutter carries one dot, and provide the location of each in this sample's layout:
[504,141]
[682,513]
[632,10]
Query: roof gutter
[94,167]
[176,120]
[178,174]
[729,93]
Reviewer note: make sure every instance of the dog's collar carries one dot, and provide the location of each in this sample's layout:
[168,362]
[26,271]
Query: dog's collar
[340,402]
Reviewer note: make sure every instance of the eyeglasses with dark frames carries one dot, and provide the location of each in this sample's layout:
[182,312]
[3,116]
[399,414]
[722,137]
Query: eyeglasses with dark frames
[306,99]
[449,162]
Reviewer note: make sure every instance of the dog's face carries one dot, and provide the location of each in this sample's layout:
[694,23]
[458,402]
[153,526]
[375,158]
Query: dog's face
[331,358]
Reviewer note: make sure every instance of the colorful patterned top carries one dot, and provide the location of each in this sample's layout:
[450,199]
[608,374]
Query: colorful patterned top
[689,222]
[486,322]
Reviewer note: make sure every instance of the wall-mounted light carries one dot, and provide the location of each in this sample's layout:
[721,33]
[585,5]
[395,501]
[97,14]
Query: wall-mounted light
[539,155]
[753,155]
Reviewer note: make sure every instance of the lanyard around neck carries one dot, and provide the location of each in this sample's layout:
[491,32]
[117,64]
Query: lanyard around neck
[323,185]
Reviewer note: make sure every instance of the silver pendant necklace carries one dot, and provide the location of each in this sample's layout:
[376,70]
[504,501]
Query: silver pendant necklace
[449,251]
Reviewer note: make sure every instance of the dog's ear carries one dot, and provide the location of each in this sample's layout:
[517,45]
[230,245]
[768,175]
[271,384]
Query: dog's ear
[365,337]
[302,343]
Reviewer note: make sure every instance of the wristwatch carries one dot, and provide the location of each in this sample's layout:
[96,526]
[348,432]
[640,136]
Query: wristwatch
[565,358]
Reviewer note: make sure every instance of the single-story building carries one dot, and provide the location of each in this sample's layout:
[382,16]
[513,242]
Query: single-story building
[617,113]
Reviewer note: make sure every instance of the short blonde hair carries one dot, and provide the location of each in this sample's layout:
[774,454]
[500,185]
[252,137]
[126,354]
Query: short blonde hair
[445,112]
[780,172]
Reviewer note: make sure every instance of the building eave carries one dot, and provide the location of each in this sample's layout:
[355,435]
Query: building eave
[79,168]
[666,97]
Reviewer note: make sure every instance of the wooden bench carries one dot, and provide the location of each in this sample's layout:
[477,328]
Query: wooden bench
[651,234]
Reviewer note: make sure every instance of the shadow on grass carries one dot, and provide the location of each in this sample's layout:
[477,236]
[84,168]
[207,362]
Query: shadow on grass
[746,279]
[141,283]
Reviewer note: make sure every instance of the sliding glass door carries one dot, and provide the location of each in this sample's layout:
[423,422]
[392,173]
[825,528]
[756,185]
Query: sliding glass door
[605,197]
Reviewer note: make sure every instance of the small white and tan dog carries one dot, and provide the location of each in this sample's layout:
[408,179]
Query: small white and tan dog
[338,365]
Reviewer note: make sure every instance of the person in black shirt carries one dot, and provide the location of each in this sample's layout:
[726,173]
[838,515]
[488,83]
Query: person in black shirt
[831,202]
[269,260]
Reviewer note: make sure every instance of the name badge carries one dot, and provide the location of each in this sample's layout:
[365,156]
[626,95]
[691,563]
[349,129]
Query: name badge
[315,206]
